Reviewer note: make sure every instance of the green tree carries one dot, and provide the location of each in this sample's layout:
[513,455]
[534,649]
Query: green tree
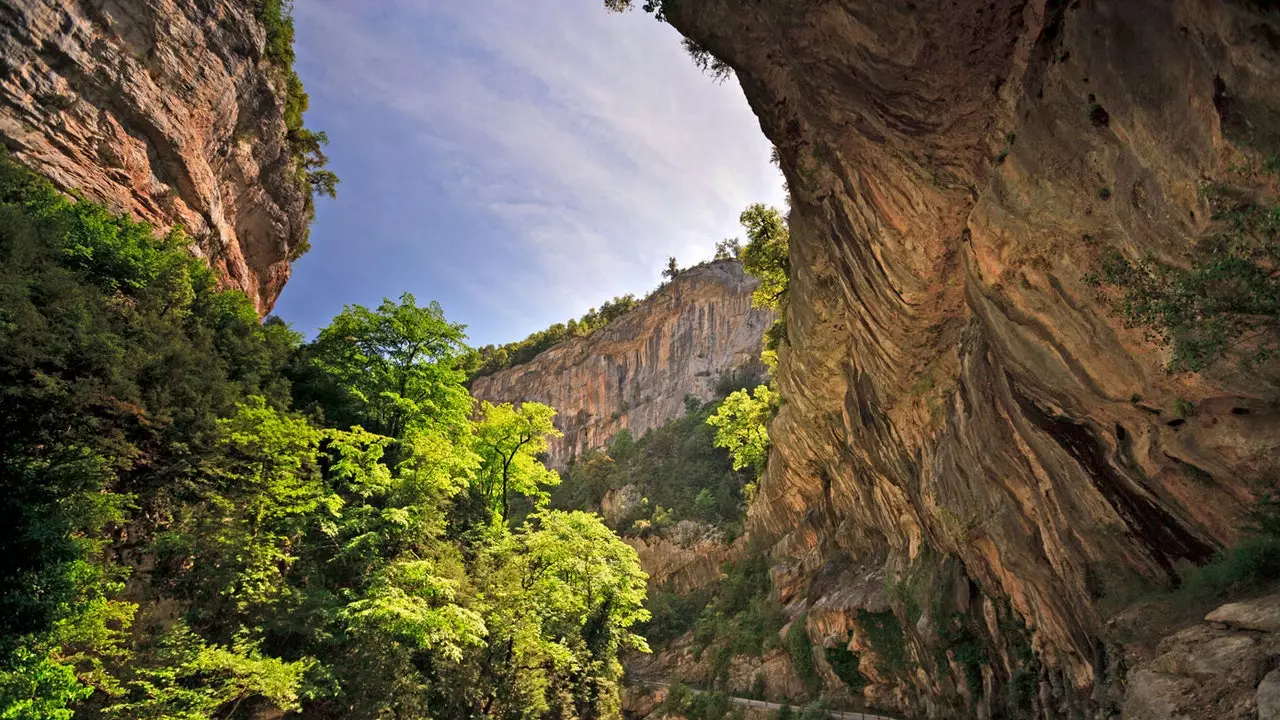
[728,249]
[742,426]
[671,270]
[765,255]
[509,440]
[564,593]
[389,370]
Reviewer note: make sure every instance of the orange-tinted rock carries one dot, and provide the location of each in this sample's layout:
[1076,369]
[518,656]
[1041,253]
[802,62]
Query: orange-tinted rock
[636,371]
[953,387]
[166,110]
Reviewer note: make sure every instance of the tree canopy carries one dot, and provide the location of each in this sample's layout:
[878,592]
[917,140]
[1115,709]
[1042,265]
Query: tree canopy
[211,519]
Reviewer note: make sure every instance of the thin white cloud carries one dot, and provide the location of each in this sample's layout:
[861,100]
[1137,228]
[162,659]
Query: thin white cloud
[589,137]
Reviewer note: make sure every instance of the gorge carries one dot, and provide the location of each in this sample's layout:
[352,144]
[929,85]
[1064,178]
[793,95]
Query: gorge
[1025,461]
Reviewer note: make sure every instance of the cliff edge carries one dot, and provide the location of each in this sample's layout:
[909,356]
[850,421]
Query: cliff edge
[636,371]
[167,110]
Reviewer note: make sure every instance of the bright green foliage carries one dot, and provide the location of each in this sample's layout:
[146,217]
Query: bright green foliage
[1225,302]
[741,425]
[325,568]
[563,593]
[493,358]
[185,678]
[765,256]
[409,602]
[36,687]
[117,355]
[676,469]
[509,440]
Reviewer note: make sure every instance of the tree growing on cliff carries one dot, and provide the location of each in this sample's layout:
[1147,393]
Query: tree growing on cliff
[742,426]
[728,248]
[671,270]
[765,255]
[1223,302]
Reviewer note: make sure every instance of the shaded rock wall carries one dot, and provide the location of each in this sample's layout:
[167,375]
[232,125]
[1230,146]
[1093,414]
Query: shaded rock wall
[635,372]
[165,109]
[964,420]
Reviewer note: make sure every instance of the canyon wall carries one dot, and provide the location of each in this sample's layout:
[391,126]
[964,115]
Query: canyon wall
[970,441]
[636,371]
[164,109]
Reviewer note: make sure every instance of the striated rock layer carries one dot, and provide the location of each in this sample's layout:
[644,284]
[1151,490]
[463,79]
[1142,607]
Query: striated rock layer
[165,109]
[635,372]
[970,440]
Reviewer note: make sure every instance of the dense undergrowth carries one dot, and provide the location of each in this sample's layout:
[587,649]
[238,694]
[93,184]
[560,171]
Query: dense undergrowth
[208,518]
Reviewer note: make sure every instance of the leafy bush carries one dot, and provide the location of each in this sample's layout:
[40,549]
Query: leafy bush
[845,664]
[800,650]
[676,468]
[1253,564]
[885,634]
[1226,301]
[307,146]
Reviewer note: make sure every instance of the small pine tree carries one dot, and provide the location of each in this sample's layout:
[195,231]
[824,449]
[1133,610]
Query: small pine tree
[672,269]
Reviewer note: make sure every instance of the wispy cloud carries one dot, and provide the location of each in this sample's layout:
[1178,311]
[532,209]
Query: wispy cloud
[578,148]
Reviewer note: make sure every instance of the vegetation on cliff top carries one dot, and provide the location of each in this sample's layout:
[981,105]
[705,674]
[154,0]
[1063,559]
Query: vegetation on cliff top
[493,358]
[307,146]
[208,519]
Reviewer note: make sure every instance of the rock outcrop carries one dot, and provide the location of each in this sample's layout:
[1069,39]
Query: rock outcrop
[998,459]
[164,109]
[1223,668]
[636,371]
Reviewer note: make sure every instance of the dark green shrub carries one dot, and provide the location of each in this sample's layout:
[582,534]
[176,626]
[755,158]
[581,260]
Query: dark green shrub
[800,651]
[844,662]
[1225,301]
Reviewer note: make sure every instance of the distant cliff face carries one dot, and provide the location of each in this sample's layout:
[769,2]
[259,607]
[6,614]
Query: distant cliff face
[970,440]
[164,109]
[635,372]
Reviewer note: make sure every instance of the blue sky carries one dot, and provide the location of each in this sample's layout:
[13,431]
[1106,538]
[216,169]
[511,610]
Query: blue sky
[517,161]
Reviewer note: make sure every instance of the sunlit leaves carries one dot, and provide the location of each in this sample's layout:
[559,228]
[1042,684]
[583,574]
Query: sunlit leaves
[742,426]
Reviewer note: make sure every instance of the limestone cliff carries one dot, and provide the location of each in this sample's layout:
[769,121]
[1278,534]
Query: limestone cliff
[991,455]
[635,372]
[165,109]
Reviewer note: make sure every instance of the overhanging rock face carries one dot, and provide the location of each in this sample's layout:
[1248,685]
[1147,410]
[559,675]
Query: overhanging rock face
[166,110]
[636,371]
[963,416]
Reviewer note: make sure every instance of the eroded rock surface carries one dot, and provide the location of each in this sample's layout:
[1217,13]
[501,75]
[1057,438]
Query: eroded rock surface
[635,372]
[164,109]
[963,413]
